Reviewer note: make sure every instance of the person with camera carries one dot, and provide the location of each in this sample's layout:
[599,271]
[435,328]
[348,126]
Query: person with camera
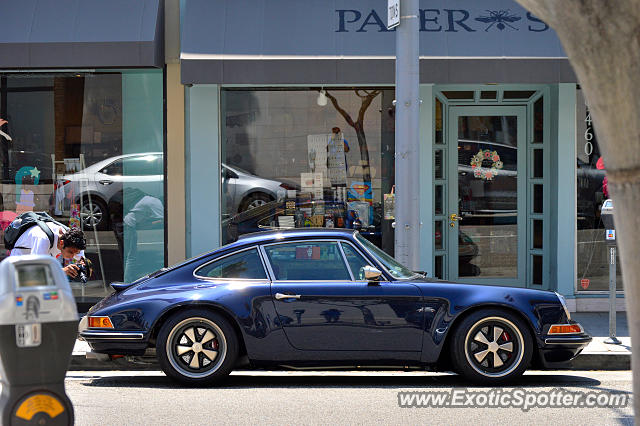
[68,244]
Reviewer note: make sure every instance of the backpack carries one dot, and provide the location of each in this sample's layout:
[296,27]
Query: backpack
[25,221]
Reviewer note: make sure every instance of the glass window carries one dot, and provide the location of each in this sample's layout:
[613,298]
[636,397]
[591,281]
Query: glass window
[244,265]
[113,169]
[439,123]
[395,269]
[356,262]
[592,190]
[489,95]
[70,133]
[306,158]
[538,121]
[143,165]
[307,261]
[518,94]
[459,94]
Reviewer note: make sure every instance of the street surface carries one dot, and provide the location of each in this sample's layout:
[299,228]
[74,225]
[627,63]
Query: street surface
[268,397]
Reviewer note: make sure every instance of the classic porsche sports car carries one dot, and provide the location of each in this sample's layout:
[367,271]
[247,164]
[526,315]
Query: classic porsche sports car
[325,298]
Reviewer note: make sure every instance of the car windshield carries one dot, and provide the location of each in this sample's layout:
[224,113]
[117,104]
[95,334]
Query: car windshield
[395,269]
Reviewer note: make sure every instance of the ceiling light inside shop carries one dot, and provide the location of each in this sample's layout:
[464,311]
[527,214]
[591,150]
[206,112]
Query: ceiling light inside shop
[322,98]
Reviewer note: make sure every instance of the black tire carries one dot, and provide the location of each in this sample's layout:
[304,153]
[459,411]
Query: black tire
[181,338]
[254,200]
[491,346]
[99,214]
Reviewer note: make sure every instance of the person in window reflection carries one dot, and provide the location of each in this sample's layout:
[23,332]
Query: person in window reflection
[337,147]
[146,213]
[605,189]
[3,134]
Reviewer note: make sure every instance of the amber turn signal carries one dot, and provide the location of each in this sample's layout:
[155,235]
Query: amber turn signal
[100,322]
[565,329]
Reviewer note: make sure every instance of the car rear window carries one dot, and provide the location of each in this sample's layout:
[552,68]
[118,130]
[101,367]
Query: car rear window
[307,261]
[243,265]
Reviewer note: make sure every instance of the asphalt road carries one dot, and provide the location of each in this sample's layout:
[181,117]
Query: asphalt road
[149,398]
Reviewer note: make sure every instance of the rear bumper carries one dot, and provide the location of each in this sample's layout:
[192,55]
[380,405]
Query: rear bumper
[115,342]
[557,351]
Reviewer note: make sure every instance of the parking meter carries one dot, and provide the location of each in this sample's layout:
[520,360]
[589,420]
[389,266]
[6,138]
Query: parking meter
[38,329]
[606,213]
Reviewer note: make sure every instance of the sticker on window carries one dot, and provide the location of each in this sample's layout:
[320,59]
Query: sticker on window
[308,253]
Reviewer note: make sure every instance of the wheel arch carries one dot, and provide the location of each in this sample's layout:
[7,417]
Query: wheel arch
[94,196]
[255,191]
[444,358]
[164,316]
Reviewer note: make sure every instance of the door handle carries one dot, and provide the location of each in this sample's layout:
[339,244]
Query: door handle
[280,296]
[453,218]
[106,182]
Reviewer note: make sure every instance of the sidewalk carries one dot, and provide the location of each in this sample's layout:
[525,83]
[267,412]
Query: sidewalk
[597,356]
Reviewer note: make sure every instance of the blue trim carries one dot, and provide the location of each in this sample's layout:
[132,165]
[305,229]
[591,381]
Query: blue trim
[202,169]
[427,114]
[564,153]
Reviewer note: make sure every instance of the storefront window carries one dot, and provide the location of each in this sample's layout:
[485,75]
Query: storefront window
[87,148]
[317,157]
[592,253]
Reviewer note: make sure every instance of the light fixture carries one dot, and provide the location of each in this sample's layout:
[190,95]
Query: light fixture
[322,98]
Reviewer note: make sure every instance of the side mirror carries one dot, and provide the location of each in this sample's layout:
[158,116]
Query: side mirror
[371,273]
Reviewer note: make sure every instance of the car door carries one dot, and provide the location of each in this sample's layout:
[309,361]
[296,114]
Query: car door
[324,304]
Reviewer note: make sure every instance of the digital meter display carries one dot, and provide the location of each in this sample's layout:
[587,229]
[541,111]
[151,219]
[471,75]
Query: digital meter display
[34,275]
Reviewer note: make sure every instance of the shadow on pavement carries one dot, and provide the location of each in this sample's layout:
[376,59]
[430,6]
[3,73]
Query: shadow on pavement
[249,381]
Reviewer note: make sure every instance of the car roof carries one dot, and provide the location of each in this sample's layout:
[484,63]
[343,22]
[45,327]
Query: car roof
[286,234]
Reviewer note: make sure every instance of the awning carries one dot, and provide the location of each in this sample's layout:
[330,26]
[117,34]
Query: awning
[346,42]
[81,34]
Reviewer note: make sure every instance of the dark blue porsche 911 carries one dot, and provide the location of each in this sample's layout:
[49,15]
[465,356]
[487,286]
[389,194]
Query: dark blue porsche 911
[326,298]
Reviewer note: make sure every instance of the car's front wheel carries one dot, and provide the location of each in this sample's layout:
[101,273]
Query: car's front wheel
[492,346]
[197,347]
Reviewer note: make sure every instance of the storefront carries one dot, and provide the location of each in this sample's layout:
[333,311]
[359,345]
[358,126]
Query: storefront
[290,123]
[83,97]
[280,114]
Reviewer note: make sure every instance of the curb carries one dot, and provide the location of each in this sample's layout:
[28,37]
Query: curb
[602,361]
[605,361]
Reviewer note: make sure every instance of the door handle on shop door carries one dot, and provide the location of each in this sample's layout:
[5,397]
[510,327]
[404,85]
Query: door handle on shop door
[453,219]
[280,296]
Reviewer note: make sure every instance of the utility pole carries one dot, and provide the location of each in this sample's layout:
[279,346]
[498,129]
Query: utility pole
[407,174]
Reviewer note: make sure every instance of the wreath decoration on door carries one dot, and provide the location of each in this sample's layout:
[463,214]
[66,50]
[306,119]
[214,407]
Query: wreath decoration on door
[486,173]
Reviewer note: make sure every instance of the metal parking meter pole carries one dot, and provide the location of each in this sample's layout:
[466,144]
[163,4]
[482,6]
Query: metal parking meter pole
[407,163]
[38,329]
[612,340]
[606,213]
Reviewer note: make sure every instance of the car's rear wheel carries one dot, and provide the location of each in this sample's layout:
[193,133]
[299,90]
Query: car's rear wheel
[492,346]
[197,347]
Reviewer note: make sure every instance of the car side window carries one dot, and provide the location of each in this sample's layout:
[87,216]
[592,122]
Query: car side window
[113,169]
[243,265]
[307,261]
[356,262]
[143,165]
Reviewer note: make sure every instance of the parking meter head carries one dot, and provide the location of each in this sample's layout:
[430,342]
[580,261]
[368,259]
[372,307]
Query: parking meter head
[34,288]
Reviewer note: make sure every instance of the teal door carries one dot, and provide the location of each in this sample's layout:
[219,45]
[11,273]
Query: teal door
[486,224]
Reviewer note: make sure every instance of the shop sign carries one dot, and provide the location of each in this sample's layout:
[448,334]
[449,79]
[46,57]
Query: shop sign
[442,20]
[393,13]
